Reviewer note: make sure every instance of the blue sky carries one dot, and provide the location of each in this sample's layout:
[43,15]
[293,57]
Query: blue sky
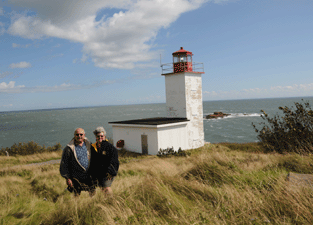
[57,54]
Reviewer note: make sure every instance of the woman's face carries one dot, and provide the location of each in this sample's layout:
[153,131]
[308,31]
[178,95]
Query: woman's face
[100,137]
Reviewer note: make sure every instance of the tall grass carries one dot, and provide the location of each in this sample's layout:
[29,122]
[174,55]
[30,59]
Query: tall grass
[215,184]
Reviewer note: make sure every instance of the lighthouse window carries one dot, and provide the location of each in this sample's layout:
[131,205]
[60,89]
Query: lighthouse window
[189,58]
[183,58]
[175,59]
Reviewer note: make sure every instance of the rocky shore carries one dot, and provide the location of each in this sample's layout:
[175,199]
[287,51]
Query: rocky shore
[216,115]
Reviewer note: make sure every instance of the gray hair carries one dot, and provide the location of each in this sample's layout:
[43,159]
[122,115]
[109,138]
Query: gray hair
[99,130]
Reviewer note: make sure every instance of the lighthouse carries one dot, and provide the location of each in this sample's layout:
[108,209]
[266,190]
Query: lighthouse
[184,94]
[182,128]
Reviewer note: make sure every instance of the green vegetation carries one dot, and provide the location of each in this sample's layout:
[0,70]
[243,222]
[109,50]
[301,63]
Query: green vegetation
[293,132]
[216,184]
[29,148]
[171,152]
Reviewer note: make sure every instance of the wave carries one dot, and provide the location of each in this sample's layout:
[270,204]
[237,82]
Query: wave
[236,115]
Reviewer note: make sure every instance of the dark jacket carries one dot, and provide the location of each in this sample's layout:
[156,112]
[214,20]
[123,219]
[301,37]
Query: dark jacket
[70,167]
[103,160]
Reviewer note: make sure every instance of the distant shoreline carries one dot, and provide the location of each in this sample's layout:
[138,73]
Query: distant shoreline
[98,106]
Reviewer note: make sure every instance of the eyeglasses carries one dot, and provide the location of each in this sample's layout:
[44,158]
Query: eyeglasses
[79,134]
[98,136]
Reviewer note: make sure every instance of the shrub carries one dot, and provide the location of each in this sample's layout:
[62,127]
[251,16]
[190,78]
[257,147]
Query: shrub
[29,149]
[290,133]
[171,152]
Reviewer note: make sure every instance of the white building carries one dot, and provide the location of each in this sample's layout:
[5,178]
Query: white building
[183,128]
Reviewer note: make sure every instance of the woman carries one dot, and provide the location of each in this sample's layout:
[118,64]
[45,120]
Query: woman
[104,161]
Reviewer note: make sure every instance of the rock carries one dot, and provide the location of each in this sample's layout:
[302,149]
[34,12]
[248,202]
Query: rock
[216,115]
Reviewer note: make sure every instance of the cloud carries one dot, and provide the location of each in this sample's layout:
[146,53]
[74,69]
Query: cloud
[20,65]
[114,41]
[14,45]
[11,88]
[5,74]
[210,93]
[276,91]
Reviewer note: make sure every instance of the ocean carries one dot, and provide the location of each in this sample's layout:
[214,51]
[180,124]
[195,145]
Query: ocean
[50,126]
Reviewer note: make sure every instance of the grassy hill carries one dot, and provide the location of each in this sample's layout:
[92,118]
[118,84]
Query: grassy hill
[215,184]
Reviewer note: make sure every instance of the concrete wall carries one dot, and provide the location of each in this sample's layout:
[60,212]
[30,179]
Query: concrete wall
[174,136]
[194,109]
[184,99]
[161,136]
[132,138]
[175,95]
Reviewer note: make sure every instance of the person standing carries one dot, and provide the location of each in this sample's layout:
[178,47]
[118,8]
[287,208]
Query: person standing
[75,163]
[104,161]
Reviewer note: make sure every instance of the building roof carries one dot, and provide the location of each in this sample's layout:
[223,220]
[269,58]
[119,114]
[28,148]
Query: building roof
[182,50]
[152,121]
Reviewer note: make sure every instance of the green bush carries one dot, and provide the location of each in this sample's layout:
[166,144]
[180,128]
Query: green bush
[28,149]
[171,152]
[291,132]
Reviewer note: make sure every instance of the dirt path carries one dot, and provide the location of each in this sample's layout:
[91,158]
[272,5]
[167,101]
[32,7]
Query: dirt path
[45,163]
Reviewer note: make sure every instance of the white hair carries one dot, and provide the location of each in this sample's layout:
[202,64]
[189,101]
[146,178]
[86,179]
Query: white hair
[99,130]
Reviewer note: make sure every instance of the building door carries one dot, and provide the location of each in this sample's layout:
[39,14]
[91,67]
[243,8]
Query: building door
[144,144]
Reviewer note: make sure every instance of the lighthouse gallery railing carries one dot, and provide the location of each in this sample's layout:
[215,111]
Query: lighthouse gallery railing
[168,68]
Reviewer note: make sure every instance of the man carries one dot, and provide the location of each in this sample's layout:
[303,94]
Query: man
[75,164]
[104,161]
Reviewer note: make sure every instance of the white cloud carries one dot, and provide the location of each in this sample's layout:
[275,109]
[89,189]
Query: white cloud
[116,41]
[10,87]
[277,91]
[210,93]
[14,45]
[20,65]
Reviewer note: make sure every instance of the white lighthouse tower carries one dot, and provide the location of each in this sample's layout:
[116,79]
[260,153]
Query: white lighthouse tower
[183,126]
[184,94]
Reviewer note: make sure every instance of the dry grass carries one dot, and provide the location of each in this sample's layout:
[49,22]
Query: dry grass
[6,162]
[216,184]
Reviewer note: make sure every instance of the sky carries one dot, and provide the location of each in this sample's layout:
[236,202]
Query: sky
[76,53]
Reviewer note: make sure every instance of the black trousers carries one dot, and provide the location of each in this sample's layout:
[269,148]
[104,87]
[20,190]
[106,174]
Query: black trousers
[82,185]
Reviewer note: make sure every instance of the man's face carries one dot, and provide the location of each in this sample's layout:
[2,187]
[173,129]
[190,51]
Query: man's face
[79,135]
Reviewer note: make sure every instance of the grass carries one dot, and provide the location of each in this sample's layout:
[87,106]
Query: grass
[27,159]
[216,184]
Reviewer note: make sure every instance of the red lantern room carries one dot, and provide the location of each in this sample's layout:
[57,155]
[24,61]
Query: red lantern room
[182,61]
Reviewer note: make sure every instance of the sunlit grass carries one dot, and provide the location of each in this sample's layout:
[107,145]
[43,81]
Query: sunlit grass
[216,184]
[6,161]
